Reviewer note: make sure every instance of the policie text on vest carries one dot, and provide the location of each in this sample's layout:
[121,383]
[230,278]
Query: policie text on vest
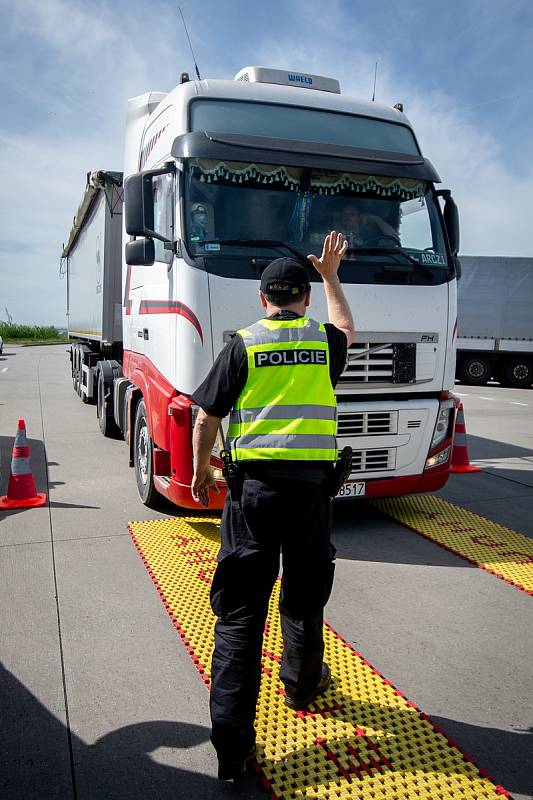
[280,358]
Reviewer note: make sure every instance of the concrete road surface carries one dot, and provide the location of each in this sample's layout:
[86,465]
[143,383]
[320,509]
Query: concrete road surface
[100,698]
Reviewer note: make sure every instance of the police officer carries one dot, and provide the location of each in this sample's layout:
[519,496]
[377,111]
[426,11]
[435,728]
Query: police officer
[276,379]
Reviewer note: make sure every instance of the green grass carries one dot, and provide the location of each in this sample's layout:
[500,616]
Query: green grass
[28,334]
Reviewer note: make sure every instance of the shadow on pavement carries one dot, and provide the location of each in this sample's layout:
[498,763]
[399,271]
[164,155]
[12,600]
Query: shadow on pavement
[490,745]
[480,447]
[35,761]
[480,486]
[363,533]
[57,504]
[123,763]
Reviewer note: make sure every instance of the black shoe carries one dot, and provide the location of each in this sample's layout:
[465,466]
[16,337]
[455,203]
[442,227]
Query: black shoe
[233,770]
[301,703]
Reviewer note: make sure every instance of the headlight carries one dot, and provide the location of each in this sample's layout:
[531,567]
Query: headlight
[442,424]
[439,458]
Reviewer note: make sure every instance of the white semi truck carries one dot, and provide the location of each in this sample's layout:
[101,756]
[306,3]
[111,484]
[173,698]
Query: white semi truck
[495,321]
[221,177]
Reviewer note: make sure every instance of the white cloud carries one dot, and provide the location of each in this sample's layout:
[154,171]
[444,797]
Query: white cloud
[61,24]
[494,201]
[73,111]
[45,181]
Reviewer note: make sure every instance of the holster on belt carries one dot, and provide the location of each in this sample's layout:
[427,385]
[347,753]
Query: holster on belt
[232,474]
[340,472]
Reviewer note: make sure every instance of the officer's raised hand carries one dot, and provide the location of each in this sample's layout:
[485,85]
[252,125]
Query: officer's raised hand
[339,314]
[335,246]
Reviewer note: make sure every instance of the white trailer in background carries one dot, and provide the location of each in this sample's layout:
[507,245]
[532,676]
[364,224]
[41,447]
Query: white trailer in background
[221,177]
[495,321]
[93,255]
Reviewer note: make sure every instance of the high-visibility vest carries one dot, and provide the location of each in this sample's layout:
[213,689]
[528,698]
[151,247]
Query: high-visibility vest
[287,409]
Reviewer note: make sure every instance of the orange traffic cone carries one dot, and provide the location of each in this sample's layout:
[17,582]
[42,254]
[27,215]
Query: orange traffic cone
[21,491]
[460,460]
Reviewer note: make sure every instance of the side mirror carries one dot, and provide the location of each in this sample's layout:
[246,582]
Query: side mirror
[451,220]
[139,202]
[138,205]
[140,253]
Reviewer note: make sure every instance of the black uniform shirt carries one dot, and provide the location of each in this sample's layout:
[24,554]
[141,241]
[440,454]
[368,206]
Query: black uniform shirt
[227,378]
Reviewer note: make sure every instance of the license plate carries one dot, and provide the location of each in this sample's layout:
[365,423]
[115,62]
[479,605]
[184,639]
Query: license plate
[352,490]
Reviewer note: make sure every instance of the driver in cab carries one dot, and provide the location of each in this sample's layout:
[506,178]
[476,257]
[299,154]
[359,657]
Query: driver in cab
[367,230]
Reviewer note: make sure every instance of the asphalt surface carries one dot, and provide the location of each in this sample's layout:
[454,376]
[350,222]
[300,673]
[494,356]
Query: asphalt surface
[100,698]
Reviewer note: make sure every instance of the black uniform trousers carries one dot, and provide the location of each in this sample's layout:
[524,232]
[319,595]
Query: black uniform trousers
[292,517]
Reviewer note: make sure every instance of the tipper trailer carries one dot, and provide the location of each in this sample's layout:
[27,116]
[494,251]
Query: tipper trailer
[495,323]
[93,255]
[220,177]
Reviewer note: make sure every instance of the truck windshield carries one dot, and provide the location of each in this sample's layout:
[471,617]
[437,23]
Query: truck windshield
[229,206]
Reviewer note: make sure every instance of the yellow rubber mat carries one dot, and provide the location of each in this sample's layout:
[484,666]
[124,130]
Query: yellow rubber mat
[493,547]
[361,740]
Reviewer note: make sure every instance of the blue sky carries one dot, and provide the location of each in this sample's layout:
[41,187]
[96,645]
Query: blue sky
[462,69]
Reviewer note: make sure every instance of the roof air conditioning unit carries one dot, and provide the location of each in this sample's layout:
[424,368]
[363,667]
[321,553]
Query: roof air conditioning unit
[302,80]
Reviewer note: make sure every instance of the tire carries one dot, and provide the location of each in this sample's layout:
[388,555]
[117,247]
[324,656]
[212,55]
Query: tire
[107,424]
[518,372]
[143,460]
[474,369]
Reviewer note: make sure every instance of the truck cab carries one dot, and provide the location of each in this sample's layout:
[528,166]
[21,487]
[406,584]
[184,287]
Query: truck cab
[220,178]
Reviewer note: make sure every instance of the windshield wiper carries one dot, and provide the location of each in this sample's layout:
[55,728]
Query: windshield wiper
[392,251]
[276,244]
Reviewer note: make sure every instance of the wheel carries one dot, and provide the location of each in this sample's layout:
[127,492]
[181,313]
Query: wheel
[104,398]
[474,369]
[518,372]
[143,458]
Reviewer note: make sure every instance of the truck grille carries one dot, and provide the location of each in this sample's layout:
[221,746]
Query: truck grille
[373,367]
[365,423]
[373,460]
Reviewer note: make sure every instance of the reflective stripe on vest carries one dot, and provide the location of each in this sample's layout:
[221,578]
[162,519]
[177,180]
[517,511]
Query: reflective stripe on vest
[287,409]
[308,410]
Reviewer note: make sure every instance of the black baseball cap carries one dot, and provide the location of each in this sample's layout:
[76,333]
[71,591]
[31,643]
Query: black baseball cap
[285,277]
